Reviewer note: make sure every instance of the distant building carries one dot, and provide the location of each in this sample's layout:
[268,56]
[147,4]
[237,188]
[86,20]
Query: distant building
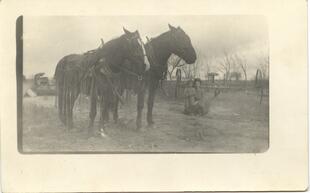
[40,79]
[211,76]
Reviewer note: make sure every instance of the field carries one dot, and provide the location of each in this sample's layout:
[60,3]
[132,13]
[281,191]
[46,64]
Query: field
[236,123]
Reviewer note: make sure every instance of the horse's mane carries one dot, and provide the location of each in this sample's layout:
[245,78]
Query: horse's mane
[111,44]
[158,36]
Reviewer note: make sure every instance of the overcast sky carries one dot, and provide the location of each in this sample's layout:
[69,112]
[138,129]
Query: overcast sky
[48,39]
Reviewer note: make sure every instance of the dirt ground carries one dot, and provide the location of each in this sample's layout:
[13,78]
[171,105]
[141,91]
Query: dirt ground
[236,123]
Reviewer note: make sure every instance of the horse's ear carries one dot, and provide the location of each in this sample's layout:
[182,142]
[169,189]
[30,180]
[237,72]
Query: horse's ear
[126,31]
[137,35]
[171,27]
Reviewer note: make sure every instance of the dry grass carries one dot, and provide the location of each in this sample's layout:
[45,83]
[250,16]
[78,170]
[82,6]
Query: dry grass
[236,123]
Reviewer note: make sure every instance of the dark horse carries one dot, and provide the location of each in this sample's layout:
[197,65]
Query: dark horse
[72,69]
[158,50]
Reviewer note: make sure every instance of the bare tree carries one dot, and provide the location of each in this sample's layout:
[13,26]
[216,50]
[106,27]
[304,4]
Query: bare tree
[196,68]
[203,64]
[174,62]
[207,67]
[187,71]
[225,66]
[263,62]
[241,61]
[263,66]
[193,70]
[190,71]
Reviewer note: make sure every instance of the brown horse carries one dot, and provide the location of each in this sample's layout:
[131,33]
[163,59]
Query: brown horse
[158,50]
[109,86]
[72,69]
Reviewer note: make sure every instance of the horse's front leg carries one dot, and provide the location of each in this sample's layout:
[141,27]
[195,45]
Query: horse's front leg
[140,105]
[69,109]
[115,110]
[150,103]
[104,117]
[93,107]
[73,97]
[104,109]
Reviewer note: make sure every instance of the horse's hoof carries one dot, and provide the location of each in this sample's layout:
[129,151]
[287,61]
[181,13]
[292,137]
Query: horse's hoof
[103,135]
[102,132]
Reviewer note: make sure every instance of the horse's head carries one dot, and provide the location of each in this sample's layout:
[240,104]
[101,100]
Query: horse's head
[134,51]
[181,45]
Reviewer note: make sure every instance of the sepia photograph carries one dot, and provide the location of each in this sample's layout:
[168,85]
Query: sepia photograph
[145,84]
[141,96]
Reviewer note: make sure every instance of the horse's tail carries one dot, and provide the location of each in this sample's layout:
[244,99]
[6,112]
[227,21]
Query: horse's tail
[67,88]
[56,84]
[59,77]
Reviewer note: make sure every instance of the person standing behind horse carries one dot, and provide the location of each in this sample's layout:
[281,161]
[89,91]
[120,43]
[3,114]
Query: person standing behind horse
[194,98]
